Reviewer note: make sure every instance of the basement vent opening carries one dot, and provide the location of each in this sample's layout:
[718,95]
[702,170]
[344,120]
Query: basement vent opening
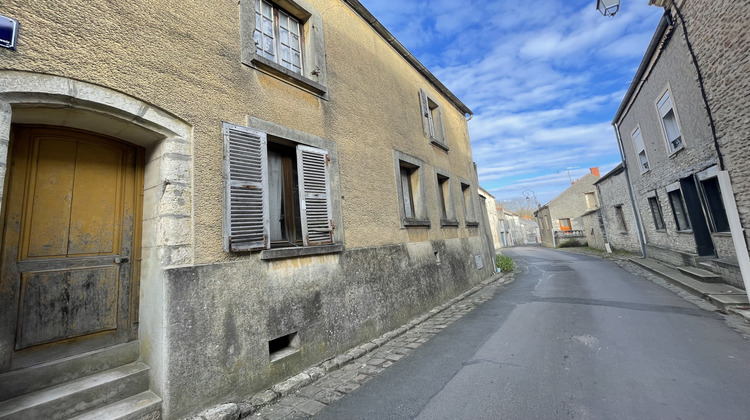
[283,346]
[437,257]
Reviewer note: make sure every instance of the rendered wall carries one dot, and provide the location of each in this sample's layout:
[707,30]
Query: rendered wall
[221,309]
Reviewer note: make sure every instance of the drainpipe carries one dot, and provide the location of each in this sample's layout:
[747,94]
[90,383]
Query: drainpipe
[604,220]
[735,227]
[636,213]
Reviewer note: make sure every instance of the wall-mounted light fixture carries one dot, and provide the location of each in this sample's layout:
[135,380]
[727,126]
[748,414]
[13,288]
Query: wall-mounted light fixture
[608,7]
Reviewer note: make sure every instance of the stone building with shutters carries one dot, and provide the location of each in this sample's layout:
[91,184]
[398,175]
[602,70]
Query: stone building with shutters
[683,161]
[202,201]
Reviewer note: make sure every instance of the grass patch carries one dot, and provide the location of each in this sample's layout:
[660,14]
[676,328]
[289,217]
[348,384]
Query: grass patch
[571,243]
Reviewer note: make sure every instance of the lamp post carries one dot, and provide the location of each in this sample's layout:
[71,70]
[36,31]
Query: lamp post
[608,7]
[526,194]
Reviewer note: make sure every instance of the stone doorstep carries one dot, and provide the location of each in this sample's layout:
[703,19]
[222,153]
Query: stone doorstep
[288,386]
[720,294]
[701,275]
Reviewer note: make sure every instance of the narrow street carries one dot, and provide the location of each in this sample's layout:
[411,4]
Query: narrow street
[573,337]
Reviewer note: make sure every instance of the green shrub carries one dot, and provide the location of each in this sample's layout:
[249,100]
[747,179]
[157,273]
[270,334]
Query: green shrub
[570,243]
[504,263]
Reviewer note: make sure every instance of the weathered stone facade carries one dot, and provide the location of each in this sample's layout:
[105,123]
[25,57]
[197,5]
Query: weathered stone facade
[613,193]
[668,71]
[594,229]
[568,207]
[208,317]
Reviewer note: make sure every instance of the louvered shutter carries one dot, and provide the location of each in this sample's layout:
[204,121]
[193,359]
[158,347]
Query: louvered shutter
[314,195]
[425,108]
[246,189]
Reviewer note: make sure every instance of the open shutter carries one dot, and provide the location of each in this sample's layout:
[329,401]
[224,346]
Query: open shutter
[246,189]
[425,108]
[314,195]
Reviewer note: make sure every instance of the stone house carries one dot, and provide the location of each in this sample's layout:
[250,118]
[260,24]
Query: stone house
[687,166]
[562,217]
[614,221]
[201,201]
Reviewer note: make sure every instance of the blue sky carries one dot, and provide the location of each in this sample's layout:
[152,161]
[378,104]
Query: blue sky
[544,79]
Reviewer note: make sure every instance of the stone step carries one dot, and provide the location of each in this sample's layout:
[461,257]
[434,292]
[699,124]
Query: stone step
[143,406]
[701,275]
[78,396]
[34,378]
[722,295]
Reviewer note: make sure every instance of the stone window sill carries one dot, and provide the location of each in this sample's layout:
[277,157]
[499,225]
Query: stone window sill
[293,252]
[269,67]
[416,223]
[439,144]
[471,224]
[448,223]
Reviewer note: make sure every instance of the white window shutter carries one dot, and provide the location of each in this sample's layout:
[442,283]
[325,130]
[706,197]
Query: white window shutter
[442,127]
[246,189]
[425,108]
[314,195]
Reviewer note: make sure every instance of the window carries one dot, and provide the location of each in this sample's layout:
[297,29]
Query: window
[445,201]
[653,203]
[278,36]
[715,204]
[678,209]
[591,200]
[669,122]
[432,120]
[277,194]
[565,224]
[621,219]
[284,39]
[410,176]
[468,200]
[640,149]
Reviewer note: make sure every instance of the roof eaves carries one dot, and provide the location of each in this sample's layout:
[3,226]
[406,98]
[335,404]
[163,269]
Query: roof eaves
[388,37]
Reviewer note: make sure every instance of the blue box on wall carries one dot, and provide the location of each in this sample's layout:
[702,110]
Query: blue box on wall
[8,32]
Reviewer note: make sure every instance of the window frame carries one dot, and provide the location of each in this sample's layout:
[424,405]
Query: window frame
[640,149]
[621,220]
[469,206]
[446,204]
[324,167]
[276,15]
[433,123]
[416,168]
[564,228]
[662,110]
[672,190]
[313,78]
[714,207]
[656,212]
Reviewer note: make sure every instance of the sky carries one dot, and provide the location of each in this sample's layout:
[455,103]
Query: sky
[543,78]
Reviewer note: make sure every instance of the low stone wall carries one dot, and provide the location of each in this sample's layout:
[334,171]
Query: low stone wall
[223,317]
[729,272]
[675,258]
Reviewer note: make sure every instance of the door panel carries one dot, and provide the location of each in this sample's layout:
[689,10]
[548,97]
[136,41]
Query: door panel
[703,241]
[67,242]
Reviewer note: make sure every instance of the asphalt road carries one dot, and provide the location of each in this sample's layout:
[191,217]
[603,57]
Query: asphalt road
[574,337]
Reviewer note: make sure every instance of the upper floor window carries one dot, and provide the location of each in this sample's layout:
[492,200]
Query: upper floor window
[591,202]
[669,122]
[285,42]
[470,217]
[432,120]
[411,195]
[640,149]
[277,193]
[278,36]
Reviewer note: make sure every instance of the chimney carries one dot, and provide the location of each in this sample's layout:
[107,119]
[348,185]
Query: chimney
[595,171]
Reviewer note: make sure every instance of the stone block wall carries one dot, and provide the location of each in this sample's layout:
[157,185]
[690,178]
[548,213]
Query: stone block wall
[594,230]
[719,33]
[613,192]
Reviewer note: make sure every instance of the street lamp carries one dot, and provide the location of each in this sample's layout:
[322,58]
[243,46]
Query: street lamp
[608,7]
[526,194]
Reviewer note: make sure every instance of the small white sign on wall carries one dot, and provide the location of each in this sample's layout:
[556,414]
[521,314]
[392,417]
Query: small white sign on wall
[478,260]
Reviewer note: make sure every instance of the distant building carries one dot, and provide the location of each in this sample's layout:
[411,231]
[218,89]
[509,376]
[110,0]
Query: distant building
[561,218]
[492,216]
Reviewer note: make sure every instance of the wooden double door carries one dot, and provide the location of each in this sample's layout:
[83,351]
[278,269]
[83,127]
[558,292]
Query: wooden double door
[70,245]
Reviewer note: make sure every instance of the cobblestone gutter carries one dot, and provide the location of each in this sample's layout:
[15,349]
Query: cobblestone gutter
[307,393]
